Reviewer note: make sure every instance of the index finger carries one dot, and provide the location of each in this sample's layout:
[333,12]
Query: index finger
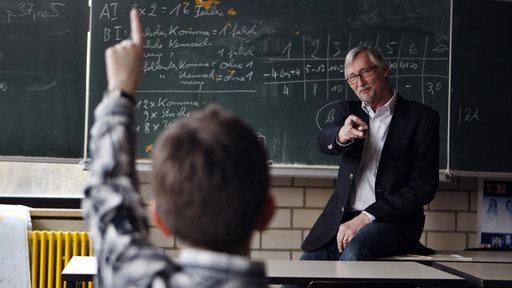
[136,26]
[353,120]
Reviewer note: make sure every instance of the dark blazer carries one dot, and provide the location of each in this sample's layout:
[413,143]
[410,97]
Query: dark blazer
[407,175]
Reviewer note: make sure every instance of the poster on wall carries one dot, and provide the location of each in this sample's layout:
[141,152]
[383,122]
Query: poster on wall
[495,214]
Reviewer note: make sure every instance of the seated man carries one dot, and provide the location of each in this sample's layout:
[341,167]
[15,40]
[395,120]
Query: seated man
[210,179]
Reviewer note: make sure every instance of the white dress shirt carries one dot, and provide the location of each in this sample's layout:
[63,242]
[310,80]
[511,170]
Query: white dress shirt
[363,189]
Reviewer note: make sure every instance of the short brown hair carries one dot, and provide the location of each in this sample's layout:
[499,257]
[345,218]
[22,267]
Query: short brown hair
[210,178]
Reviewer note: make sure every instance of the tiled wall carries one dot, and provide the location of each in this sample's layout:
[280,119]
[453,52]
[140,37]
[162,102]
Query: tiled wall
[450,217]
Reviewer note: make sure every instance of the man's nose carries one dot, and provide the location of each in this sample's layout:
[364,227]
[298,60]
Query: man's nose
[360,79]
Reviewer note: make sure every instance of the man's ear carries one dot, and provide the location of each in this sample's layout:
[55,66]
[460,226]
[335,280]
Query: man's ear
[386,71]
[158,219]
[266,214]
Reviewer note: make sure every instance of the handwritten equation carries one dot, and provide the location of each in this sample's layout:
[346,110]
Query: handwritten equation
[191,57]
[33,11]
[167,45]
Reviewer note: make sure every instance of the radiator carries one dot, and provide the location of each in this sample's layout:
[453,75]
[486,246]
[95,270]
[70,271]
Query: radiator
[51,251]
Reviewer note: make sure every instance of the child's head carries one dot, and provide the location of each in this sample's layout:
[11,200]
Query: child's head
[211,180]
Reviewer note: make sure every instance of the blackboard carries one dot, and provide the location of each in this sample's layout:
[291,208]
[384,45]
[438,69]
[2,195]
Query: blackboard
[481,130]
[43,47]
[278,64]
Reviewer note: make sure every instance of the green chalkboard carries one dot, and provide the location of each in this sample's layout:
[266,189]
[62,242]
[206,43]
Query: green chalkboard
[481,131]
[43,48]
[278,64]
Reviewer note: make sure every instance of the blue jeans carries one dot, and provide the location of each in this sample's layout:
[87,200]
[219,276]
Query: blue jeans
[379,239]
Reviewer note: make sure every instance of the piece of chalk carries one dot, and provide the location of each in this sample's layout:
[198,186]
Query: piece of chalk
[360,128]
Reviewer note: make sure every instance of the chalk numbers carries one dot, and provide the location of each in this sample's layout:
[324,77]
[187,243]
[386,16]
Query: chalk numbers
[433,88]
[337,88]
[315,89]
[181,8]
[286,90]
[468,114]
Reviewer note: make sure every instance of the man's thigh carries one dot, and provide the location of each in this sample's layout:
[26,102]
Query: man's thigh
[378,239]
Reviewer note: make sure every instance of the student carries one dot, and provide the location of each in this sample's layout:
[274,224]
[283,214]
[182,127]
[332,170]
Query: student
[389,161]
[210,179]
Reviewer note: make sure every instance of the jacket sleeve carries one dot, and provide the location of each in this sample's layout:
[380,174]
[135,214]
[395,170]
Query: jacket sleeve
[327,140]
[112,207]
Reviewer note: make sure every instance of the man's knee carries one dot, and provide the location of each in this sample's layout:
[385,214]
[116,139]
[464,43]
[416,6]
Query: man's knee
[355,252]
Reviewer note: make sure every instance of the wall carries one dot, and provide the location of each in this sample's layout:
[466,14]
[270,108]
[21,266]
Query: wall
[450,217]
[41,178]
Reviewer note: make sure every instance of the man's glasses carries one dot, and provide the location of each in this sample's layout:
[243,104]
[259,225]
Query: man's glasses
[363,73]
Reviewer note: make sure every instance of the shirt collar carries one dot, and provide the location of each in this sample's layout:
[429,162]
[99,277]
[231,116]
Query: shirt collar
[389,106]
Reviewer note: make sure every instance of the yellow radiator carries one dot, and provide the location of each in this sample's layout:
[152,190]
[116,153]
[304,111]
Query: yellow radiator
[51,251]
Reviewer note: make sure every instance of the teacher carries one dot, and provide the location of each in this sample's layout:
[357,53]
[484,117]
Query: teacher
[388,170]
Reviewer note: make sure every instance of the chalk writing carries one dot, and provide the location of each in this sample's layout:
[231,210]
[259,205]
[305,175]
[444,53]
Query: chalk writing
[166,43]
[207,4]
[468,114]
[325,115]
[277,68]
[34,11]
[157,114]
[313,67]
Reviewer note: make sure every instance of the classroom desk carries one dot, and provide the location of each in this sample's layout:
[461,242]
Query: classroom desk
[490,256]
[78,269]
[303,272]
[480,274]
[83,268]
